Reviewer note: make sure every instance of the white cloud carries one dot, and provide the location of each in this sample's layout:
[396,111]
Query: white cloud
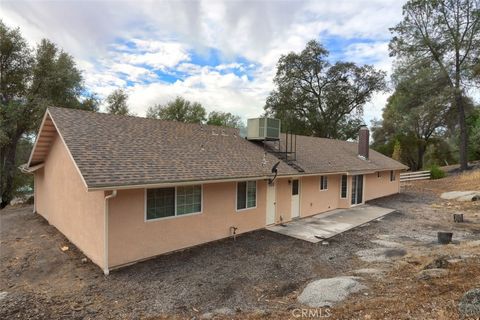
[216,91]
[133,73]
[156,54]
[122,43]
[370,53]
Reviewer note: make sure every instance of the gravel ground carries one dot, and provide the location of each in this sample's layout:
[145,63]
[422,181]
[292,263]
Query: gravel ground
[260,272]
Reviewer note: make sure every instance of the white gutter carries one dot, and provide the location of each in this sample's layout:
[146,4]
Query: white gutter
[194,182]
[105,232]
[266,177]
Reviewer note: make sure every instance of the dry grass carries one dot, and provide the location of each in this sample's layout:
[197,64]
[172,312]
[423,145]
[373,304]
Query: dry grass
[472,178]
[400,295]
[462,182]
[469,180]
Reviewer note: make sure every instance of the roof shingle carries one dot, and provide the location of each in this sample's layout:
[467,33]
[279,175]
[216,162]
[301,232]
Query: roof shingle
[321,155]
[121,151]
[112,150]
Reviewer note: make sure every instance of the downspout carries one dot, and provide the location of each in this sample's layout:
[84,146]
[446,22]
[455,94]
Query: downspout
[105,231]
[34,194]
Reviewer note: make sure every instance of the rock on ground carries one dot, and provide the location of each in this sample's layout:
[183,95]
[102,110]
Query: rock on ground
[327,292]
[381,254]
[431,273]
[220,311]
[461,195]
[475,243]
[369,271]
[469,305]
[388,244]
[438,263]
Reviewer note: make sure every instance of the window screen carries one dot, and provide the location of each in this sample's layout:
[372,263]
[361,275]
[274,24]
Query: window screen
[169,202]
[294,187]
[246,194]
[160,203]
[189,199]
[323,183]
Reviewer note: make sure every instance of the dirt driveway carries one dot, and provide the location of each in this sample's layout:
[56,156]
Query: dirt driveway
[259,275]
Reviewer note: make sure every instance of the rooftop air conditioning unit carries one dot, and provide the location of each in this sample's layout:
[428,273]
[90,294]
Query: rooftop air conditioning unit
[263,129]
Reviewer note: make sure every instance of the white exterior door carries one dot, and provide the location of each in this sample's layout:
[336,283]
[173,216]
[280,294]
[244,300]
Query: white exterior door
[295,198]
[271,203]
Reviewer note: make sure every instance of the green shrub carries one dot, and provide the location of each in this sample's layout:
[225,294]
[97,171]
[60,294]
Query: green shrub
[436,172]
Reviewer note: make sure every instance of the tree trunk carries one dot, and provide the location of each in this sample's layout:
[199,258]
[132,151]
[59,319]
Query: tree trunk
[8,172]
[463,130]
[2,166]
[421,148]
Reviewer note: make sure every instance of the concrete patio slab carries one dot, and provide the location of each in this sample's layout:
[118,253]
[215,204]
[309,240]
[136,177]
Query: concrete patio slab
[326,225]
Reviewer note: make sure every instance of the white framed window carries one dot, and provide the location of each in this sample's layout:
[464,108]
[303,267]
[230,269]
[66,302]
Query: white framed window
[323,182]
[163,203]
[392,175]
[344,187]
[295,187]
[246,195]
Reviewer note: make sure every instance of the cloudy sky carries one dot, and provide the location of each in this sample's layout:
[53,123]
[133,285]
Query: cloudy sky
[222,54]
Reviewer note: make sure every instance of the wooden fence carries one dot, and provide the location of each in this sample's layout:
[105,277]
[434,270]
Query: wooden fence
[417,175]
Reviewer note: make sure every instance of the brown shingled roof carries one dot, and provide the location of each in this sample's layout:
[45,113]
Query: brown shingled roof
[320,155]
[112,150]
[121,151]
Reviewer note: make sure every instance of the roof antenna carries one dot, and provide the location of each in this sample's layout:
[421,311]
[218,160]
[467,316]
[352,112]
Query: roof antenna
[275,171]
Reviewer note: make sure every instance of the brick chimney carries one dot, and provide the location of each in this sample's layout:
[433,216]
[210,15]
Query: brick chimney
[363,142]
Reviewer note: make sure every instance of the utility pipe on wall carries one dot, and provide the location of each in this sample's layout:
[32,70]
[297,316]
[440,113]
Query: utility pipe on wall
[105,232]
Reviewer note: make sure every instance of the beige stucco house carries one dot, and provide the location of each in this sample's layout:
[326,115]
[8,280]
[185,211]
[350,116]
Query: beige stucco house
[124,189]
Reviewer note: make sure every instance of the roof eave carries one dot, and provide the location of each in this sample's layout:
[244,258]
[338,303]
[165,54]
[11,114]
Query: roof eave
[48,114]
[167,184]
[173,183]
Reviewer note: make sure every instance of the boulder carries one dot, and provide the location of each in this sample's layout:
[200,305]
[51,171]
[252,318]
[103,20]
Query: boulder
[438,263]
[369,271]
[225,311]
[381,254]
[469,305]
[428,274]
[469,197]
[461,195]
[327,292]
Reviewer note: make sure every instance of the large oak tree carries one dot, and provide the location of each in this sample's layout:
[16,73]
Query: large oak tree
[416,113]
[315,97]
[446,32]
[116,103]
[178,109]
[31,80]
